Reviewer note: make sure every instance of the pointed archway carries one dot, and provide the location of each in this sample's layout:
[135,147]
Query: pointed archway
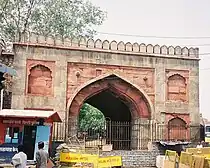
[137,97]
[137,101]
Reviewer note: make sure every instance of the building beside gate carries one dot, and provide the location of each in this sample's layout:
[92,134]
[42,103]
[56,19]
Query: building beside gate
[22,126]
[152,92]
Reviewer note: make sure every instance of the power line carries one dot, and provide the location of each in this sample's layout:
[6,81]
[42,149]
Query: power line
[204,54]
[159,37]
[196,45]
[204,69]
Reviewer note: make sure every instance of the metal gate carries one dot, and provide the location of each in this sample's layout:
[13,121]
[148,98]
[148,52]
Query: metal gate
[118,134]
[177,129]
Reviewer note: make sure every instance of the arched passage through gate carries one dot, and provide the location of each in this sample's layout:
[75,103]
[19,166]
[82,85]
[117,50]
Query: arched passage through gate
[118,99]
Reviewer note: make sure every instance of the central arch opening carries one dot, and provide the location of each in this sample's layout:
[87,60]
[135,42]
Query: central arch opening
[117,105]
[114,125]
[111,106]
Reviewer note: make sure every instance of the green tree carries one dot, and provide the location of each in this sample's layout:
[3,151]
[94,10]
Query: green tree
[65,18]
[91,118]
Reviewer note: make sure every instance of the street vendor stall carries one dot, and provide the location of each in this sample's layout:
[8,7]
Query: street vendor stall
[26,127]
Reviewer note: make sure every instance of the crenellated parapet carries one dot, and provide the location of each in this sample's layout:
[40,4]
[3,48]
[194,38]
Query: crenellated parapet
[111,46]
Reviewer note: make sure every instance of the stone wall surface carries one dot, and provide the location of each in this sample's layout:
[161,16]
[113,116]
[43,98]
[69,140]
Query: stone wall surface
[140,159]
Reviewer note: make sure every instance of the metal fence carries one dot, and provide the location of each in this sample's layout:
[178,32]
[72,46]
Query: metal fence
[129,135]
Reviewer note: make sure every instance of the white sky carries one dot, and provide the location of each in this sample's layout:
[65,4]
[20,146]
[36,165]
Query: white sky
[163,18]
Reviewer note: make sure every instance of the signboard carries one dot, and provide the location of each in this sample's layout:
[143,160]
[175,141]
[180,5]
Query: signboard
[103,162]
[24,122]
[7,151]
[110,161]
[77,158]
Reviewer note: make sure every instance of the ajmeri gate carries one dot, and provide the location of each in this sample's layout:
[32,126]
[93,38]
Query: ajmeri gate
[144,91]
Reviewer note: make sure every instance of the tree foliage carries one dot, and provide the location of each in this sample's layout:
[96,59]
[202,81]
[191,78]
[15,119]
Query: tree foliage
[66,18]
[91,118]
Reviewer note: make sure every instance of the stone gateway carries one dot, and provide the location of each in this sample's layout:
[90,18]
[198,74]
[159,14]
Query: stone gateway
[134,83]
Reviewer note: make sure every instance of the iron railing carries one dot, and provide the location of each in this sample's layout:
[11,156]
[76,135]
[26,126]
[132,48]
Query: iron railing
[128,135]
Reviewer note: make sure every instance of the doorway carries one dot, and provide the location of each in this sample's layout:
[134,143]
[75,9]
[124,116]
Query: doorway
[118,118]
[29,139]
[119,101]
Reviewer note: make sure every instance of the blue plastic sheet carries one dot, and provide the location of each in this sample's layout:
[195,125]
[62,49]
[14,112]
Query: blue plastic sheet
[6,69]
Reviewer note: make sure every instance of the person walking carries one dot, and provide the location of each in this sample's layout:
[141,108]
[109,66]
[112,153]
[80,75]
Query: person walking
[42,156]
[19,160]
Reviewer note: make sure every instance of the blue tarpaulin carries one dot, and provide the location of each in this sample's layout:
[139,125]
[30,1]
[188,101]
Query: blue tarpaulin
[6,69]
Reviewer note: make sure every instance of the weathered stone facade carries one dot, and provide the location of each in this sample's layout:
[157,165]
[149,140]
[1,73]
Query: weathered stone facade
[141,159]
[56,74]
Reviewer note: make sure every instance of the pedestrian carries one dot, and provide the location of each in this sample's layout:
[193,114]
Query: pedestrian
[42,156]
[19,160]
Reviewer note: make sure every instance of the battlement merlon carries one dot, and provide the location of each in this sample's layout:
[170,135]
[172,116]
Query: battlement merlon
[106,46]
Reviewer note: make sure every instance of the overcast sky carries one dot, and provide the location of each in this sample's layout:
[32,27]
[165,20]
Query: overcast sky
[163,18]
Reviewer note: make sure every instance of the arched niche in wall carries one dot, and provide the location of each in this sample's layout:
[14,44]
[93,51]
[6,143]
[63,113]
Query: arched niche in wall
[177,129]
[177,88]
[40,80]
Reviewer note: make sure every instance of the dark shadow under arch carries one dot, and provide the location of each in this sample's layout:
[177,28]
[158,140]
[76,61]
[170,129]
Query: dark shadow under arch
[118,119]
[111,105]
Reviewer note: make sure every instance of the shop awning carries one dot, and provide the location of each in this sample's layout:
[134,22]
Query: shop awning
[170,143]
[30,114]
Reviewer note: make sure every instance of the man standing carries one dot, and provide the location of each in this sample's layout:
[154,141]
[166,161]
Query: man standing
[19,160]
[41,156]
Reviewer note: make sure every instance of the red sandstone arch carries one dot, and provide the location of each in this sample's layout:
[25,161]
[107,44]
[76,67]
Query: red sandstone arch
[136,99]
[177,128]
